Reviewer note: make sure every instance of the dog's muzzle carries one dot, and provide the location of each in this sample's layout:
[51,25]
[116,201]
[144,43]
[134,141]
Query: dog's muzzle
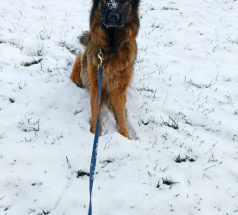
[114,17]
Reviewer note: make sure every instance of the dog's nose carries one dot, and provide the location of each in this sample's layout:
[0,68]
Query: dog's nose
[113,17]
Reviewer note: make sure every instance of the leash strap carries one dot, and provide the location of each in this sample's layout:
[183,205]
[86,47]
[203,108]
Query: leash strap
[95,143]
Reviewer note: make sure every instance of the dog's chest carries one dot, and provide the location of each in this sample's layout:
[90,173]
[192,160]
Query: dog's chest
[117,76]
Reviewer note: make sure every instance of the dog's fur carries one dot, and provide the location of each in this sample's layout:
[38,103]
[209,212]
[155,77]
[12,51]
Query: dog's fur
[119,57]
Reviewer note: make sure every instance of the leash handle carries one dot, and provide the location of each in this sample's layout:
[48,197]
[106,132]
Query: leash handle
[96,137]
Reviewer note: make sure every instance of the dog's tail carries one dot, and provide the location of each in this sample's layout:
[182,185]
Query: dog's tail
[85,38]
[75,75]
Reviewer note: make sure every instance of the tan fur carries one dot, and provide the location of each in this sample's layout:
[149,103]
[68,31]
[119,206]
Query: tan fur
[117,73]
[75,75]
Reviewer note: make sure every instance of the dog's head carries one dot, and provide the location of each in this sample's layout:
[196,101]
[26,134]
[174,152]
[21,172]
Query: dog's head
[115,13]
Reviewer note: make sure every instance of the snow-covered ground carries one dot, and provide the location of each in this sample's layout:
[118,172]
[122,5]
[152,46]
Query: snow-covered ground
[182,112]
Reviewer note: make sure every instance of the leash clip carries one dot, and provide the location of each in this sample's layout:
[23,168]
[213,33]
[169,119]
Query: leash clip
[100,56]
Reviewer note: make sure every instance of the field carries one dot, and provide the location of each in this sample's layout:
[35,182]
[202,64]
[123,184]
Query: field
[182,112]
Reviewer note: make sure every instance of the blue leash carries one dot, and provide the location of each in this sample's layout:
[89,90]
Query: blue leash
[95,143]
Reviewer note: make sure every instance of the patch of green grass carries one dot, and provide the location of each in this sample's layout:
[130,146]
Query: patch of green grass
[191,160]
[44,213]
[71,49]
[81,173]
[11,100]
[169,182]
[108,161]
[158,185]
[169,8]
[39,52]
[27,64]
[179,159]
[171,123]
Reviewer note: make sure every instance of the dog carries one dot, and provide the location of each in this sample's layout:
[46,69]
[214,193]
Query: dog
[114,26]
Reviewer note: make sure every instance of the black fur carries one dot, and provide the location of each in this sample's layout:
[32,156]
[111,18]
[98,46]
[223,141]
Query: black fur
[85,38]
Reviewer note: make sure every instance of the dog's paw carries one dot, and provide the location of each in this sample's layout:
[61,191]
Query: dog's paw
[125,134]
[93,129]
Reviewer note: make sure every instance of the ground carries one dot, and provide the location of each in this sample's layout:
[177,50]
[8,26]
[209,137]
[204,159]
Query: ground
[182,112]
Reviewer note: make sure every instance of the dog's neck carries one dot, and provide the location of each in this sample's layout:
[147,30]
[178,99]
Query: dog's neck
[111,39]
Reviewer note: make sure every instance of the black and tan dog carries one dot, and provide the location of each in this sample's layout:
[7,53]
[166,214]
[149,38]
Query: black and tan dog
[114,25]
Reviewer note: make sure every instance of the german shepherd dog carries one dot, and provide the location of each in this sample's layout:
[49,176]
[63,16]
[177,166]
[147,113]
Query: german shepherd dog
[114,25]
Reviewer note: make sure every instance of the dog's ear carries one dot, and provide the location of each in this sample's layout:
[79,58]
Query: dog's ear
[95,2]
[135,3]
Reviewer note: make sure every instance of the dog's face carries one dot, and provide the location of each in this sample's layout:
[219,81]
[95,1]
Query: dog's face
[114,13]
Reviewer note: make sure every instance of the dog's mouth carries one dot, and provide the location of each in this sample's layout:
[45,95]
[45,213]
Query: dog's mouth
[112,25]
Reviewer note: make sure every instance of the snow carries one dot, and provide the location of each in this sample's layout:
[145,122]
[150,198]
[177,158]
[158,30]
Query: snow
[112,5]
[185,75]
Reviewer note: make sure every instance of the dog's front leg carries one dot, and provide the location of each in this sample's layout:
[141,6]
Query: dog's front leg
[118,102]
[93,89]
